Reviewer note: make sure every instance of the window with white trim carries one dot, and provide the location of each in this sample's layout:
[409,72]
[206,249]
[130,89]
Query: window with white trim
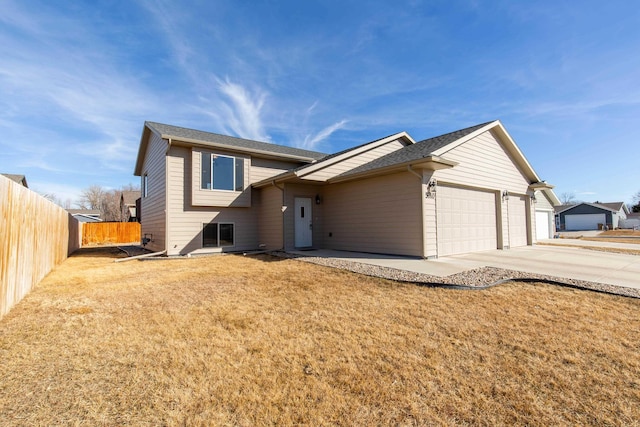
[145,185]
[217,235]
[220,172]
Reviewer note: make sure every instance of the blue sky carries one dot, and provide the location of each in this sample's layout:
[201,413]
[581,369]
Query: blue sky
[79,78]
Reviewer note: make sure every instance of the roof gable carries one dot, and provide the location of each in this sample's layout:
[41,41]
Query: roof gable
[600,206]
[20,179]
[371,148]
[129,197]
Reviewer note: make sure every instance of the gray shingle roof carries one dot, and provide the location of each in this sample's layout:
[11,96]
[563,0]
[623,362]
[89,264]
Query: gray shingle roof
[129,197]
[616,206]
[230,141]
[415,151]
[20,179]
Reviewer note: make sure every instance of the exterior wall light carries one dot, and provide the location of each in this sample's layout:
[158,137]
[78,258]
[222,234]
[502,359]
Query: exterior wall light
[431,189]
[318,199]
[505,195]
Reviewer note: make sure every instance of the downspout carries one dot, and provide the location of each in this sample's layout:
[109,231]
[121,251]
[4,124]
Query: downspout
[166,197]
[282,206]
[410,169]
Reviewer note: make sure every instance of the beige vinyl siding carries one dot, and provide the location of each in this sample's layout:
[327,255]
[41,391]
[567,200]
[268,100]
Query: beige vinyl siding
[429,218]
[153,206]
[186,221]
[317,210]
[270,217]
[262,169]
[543,202]
[218,198]
[378,215]
[353,162]
[483,162]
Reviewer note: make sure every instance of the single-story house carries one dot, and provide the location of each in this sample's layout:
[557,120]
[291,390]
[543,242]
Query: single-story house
[590,216]
[86,215]
[20,179]
[468,190]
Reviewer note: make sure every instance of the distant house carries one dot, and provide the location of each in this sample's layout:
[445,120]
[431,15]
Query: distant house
[590,216]
[20,179]
[632,221]
[128,210]
[465,191]
[85,215]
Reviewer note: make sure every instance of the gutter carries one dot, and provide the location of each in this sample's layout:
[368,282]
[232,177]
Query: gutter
[166,196]
[410,169]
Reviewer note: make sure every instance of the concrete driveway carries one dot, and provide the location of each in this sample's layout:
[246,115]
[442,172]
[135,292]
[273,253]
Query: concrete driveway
[558,261]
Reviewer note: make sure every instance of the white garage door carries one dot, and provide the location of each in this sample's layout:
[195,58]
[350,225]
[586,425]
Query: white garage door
[466,220]
[584,221]
[517,221]
[542,225]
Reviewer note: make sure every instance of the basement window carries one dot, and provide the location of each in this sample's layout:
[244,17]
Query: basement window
[221,172]
[217,235]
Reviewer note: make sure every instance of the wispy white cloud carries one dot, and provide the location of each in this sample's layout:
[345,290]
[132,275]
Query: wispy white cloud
[75,83]
[243,112]
[312,141]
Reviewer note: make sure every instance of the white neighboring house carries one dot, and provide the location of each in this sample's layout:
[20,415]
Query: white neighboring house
[632,221]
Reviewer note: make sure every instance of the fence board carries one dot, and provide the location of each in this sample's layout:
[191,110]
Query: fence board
[110,233]
[34,238]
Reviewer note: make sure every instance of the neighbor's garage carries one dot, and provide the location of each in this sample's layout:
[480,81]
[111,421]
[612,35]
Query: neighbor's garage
[466,220]
[584,221]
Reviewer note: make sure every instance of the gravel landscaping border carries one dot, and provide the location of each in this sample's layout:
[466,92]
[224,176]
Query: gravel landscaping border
[476,279]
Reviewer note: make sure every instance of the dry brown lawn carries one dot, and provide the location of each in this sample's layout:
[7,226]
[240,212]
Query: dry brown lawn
[235,340]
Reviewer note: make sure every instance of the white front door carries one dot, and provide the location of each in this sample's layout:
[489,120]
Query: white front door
[303,225]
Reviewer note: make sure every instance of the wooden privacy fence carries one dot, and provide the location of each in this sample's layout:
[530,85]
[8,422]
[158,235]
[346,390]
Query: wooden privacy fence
[109,233]
[35,236]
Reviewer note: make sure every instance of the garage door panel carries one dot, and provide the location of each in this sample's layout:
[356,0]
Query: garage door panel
[542,225]
[517,221]
[466,220]
[584,221]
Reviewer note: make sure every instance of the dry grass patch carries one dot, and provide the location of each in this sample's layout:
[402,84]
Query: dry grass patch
[613,240]
[632,233]
[254,341]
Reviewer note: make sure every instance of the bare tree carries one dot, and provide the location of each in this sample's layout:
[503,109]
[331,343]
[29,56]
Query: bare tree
[106,201]
[636,201]
[568,198]
[91,198]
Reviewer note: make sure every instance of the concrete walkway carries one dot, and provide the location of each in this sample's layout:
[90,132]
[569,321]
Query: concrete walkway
[563,262]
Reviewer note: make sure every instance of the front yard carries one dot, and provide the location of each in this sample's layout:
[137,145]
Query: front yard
[254,341]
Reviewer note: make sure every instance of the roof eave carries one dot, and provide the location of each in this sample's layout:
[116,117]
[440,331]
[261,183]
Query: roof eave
[275,179]
[265,153]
